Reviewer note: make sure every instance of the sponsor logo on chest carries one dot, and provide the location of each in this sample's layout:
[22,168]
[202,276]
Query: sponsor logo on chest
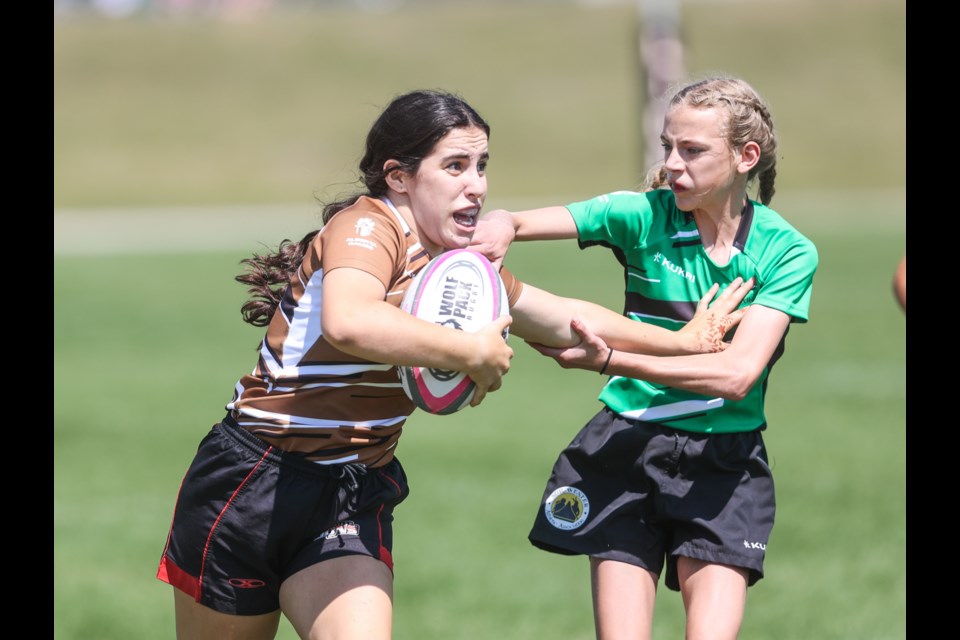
[673,268]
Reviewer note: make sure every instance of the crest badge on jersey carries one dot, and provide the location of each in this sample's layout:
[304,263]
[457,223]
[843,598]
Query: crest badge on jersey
[567,508]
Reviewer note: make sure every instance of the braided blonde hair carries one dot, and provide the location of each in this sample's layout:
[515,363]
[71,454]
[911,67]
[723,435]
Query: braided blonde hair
[747,119]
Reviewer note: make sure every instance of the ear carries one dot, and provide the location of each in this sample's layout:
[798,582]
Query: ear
[749,157]
[394,176]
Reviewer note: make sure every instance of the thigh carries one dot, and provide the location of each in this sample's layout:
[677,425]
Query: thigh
[341,598]
[623,599]
[197,622]
[714,596]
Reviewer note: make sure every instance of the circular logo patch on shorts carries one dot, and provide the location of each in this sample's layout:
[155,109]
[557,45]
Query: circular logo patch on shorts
[567,508]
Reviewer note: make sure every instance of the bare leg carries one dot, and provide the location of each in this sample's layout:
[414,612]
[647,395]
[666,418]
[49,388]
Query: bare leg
[714,596]
[197,622]
[623,599]
[344,598]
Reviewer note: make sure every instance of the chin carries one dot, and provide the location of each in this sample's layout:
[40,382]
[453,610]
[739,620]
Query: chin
[461,235]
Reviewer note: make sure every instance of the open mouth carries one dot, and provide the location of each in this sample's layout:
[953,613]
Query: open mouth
[466,218]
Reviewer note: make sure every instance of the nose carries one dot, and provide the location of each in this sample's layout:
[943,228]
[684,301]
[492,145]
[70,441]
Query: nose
[673,162]
[476,185]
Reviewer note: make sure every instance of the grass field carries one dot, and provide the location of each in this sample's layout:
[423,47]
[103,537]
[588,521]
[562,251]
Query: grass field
[148,339]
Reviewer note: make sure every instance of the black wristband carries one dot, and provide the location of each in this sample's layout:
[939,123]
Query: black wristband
[607,363]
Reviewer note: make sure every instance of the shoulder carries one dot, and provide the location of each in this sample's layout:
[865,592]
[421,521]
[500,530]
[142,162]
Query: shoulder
[657,198]
[364,208]
[365,231]
[635,207]
[366,218]
[772,229]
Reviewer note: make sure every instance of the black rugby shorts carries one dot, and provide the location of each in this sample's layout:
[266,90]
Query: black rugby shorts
[645,494]
[248,516]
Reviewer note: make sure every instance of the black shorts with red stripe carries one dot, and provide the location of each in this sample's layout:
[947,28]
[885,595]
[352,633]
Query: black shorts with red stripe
[249,515]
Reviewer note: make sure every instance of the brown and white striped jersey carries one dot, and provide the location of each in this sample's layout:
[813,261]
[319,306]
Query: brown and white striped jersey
[308,397]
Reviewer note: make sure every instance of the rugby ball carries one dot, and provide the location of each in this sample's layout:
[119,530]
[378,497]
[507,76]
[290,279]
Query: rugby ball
[459,289]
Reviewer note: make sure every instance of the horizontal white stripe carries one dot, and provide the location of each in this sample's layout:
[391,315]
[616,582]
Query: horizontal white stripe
[303,422]
[640,277]
[646,316]
[292,373]
[342,460]
[314,385]
[674,409]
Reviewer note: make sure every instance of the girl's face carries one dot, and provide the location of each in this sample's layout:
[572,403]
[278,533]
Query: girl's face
[448,190]
[701,167]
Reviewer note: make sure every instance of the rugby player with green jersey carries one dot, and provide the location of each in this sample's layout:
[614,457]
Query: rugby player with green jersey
[671,476]
[666,274]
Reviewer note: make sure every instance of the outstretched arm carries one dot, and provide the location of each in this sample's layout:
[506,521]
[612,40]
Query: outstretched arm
[543,318]
[729,374]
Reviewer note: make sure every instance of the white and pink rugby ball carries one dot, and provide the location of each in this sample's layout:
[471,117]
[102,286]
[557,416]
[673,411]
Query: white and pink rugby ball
[458,289]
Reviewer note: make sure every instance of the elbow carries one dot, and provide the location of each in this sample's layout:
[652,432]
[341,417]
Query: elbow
[735,394]
[738,386]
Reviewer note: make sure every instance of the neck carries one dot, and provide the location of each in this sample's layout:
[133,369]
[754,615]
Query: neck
[401,204]
[718,229]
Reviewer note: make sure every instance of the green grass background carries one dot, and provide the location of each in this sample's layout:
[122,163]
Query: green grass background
[148,341]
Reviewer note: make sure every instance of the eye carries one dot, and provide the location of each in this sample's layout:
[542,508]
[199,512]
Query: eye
[482,166]
[455,166]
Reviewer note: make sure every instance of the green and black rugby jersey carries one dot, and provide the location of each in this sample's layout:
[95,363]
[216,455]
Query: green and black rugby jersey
[667,271]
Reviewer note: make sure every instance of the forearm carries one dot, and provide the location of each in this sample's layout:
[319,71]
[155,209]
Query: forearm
[729,374]
[544,318]
[624,334]
[547,223]
[355,318]
[716,374]
[388,335]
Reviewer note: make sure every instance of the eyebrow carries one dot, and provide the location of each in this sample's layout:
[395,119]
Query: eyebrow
[463,154]
[687,141]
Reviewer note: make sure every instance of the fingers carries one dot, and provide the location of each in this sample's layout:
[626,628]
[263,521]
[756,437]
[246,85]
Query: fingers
[707,298]
[728,300]
[493,235]
[490,253]
[478,396]
[579,328]
[502,323]
[737,291]
[496,355]
[481,392]
[733,295]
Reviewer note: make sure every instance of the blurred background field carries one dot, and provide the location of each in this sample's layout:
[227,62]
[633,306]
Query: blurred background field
[185,140]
